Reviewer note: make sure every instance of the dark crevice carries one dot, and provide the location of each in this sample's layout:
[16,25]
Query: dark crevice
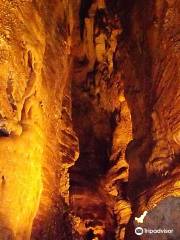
[94,130]
[4,133]
[83,13]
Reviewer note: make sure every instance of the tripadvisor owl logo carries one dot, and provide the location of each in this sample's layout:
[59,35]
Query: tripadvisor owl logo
[139,231]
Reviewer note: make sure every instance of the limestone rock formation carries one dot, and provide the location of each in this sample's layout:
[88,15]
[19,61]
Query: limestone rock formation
[89,119]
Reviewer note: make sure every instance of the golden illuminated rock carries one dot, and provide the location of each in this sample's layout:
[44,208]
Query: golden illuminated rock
[29,90]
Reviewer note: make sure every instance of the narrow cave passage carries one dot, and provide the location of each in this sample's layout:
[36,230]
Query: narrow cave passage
[89,119]
[94,130]
[102,122]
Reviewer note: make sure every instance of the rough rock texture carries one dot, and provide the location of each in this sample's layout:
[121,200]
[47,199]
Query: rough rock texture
[89,117]
[38,144]
[149,55]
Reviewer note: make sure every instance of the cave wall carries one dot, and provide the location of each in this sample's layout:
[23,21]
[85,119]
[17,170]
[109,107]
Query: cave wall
[35,118]
[151,80]
[148,54]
